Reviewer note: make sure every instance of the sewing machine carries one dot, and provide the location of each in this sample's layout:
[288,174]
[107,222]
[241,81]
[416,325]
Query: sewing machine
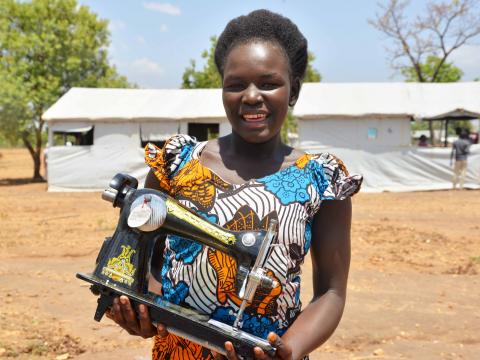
[123,264]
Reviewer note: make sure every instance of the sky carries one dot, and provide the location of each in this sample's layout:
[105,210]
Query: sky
[152,42]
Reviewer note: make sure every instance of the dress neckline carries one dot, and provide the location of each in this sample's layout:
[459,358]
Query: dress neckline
[201,146]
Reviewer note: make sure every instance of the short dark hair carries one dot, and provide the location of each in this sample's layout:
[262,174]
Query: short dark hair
[267,26]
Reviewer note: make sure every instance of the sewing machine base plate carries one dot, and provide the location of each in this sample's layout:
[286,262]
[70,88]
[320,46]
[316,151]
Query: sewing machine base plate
[181,321]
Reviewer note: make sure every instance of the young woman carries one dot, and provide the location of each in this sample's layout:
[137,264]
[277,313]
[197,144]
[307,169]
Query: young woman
[243,181]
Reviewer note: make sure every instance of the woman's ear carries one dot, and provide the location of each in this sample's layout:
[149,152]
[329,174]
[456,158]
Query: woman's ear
[294,91]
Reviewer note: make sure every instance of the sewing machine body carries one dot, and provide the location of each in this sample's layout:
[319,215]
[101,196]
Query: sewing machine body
[123,264]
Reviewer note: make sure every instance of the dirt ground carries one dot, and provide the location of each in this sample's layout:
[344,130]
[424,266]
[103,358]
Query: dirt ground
[414,289]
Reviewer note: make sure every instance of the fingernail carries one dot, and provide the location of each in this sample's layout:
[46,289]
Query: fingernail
[142,308]
[228,346]
[123,300]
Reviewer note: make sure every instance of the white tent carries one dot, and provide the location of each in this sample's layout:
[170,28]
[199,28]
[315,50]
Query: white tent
[94,133]
[368,126]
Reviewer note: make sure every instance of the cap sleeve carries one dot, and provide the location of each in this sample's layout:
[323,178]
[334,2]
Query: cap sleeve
[166,161]
[333,182]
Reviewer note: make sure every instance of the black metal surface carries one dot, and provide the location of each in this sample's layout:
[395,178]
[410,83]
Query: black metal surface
[181,321]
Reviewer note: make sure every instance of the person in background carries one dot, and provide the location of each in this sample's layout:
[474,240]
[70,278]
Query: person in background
[423,141]
[460,150]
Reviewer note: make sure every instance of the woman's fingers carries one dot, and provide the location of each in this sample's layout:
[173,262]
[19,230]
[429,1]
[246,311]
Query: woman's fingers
[146,328]
[283,351]
[217,356]
[129,314]
[231,354]
[123,313]
[117,313]
[162,330]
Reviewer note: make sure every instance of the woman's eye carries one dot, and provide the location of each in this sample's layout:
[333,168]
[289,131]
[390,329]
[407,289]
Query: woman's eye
[233,87]
[268,86]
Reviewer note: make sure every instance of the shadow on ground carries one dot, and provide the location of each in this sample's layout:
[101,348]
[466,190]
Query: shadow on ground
[21,181]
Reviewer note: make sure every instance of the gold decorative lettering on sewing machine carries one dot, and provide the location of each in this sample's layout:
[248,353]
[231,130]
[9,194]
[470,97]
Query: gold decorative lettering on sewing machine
[120,268]
[123,264]
[194,220]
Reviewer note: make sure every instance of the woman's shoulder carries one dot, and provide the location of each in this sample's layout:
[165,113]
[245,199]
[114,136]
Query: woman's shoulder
[171,146]
[333,180]
[176,151]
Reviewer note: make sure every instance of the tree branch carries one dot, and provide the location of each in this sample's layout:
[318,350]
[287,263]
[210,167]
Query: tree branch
[446,27]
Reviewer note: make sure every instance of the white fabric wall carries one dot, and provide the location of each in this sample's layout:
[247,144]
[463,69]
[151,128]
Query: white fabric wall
[90,168]
[411,169]
[159,130]
[353,133]
[124,135]
[116,148]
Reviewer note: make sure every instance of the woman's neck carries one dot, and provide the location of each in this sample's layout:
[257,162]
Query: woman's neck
[272,149]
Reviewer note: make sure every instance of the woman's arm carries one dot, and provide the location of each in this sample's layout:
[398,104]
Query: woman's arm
[330,253]
[151,181]
[331,260]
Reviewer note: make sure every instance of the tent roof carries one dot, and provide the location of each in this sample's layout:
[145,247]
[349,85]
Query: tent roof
[130,104]
[417,100]
[317,100]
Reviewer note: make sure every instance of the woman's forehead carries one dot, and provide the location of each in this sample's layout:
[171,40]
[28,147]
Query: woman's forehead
[257,54]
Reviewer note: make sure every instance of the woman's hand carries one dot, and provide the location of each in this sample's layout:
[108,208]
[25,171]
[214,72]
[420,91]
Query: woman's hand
[283,352]
[124,315]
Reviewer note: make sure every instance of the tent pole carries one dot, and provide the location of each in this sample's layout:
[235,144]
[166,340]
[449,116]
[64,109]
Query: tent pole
[430,128]
[446,133]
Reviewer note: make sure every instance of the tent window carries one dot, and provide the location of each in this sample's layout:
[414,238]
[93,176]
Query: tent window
[74,137]
[203,132]
[372,133]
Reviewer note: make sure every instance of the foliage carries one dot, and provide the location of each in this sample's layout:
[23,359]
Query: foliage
[447,72]
[421,46]
[439,125]
[444,27]
[47,47]
[311,74]
[208,77]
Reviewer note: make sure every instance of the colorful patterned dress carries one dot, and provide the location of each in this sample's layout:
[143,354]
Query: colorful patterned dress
[203,278]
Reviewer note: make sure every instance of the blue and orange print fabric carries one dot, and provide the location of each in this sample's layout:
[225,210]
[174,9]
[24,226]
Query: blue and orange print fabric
[203,278]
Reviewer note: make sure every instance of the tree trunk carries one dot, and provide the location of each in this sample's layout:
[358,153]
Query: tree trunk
[36,168]
[36,156]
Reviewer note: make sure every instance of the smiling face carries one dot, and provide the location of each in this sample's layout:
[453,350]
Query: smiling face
[257,90]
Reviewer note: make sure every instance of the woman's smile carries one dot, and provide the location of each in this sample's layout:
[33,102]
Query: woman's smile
[257,90]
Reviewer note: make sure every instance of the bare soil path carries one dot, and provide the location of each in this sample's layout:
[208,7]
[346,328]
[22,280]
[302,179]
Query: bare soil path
[414,289]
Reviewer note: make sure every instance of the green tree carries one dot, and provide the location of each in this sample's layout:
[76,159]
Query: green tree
[47,47]
[311,74]
[208,77]
[290,124]
[444,72]
[433,70]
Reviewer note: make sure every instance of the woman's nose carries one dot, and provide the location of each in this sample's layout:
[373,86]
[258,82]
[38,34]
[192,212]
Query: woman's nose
[252,95]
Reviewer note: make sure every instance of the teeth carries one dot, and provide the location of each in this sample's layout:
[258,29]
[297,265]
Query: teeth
[254,116]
